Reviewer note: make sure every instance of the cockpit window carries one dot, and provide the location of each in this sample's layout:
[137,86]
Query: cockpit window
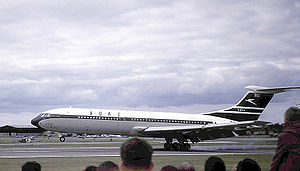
[44,115]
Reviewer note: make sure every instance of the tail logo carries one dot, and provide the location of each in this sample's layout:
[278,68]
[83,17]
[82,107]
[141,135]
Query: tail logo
[251,101]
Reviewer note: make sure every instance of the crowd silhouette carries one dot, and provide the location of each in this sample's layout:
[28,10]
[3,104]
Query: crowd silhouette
[136,154]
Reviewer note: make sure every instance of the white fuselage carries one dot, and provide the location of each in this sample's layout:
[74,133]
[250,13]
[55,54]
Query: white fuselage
[99,121]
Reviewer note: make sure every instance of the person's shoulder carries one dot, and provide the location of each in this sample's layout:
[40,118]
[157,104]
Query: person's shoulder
[288,138]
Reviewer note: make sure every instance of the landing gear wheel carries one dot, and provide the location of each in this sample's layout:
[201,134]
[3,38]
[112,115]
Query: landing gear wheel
[168,146]
[62,139]
[176,146]
[186,147]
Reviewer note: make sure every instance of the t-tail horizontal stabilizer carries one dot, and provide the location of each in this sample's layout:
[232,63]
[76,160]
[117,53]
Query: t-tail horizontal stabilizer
[252,104]
[273,90]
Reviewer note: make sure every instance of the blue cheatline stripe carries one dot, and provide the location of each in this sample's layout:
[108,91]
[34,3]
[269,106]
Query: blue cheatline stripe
[258,111]
[236,116]
[131,119]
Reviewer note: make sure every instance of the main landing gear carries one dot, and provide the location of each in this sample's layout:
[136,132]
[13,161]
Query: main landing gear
[181,146]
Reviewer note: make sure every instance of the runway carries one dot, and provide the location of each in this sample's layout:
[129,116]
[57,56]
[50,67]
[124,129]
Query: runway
[81,149]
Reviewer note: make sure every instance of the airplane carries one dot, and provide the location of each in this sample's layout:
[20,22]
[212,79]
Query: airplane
[171,126]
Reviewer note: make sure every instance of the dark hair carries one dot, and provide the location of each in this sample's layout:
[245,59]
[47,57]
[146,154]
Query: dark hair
[214,163]
[248,165]
[31,166]
[186,166]
[136,153]
[168,168]
[107,166]
[292,114]
[90,168]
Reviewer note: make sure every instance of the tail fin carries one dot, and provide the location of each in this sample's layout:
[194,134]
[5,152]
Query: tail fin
[252,104]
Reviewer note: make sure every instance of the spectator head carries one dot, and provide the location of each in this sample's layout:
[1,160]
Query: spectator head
[136,154]
[31,166]
[91,168]
[292,114]
[186,166]
[108,166]
[248,165]
[168,168]
[215,163]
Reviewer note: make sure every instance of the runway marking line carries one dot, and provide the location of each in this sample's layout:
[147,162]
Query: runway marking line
[31,151]
[117,155]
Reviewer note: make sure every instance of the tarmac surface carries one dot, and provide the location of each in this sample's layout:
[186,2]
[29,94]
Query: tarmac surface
[217,147]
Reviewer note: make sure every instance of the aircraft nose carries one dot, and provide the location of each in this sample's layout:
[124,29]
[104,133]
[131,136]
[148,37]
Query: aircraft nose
[35,121]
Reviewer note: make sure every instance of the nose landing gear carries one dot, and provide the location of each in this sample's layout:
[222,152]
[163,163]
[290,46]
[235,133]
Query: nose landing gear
[62,139]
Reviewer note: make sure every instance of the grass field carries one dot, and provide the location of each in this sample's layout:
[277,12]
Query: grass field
[79,163]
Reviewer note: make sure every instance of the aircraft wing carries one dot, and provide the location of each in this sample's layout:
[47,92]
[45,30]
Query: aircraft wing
[203,127]
[199,132]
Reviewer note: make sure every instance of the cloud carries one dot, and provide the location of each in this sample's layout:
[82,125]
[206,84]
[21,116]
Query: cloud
[23,118]
[140,53]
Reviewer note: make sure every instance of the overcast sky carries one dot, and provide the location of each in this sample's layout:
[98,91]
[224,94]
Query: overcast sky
[181,56]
